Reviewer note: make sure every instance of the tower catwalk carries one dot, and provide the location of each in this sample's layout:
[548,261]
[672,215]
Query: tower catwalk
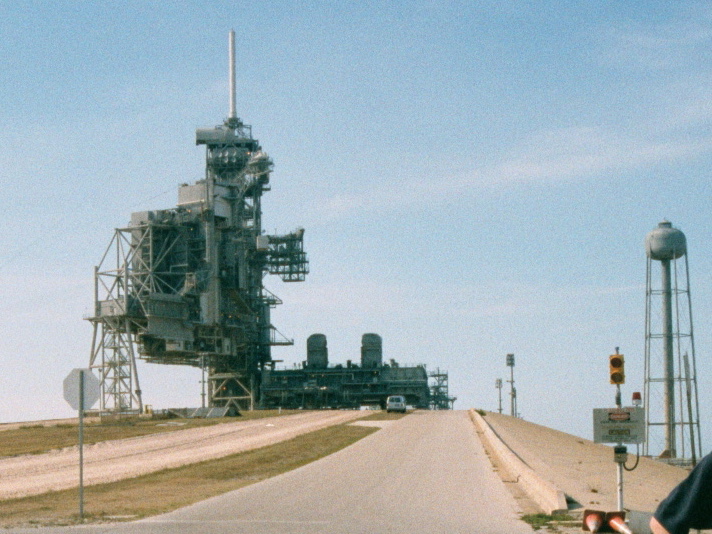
[671,401]
[184,285]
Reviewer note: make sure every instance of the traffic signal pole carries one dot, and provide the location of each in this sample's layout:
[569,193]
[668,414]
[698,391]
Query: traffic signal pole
[620,452]
[618,426]
[620,455]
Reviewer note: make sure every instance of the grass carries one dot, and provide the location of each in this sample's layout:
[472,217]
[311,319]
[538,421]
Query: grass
[170,489]
[36,439]
[383,416]
[538,521]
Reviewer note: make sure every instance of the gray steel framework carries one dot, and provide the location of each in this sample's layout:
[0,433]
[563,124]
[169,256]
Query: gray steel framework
[113,352]
[184,286]
[671,398]
[440,398]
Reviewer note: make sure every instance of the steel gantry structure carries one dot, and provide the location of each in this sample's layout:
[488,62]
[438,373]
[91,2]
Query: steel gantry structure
[440,398]
[184,285]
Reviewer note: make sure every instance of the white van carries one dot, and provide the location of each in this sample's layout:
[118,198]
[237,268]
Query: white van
[395,403]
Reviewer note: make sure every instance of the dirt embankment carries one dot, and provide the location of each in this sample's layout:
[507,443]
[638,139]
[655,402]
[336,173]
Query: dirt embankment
[127,458]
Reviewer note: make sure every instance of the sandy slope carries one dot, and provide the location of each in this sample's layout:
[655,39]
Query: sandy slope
[120,459]
[584,470]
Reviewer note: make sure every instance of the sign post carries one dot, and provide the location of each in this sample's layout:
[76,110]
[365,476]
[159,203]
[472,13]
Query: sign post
[81,391]
[619,425]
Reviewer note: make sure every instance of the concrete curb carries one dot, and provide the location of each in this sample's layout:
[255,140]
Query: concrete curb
[541,491]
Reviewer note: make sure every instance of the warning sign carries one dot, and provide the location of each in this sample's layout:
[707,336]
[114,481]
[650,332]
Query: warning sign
[619,425]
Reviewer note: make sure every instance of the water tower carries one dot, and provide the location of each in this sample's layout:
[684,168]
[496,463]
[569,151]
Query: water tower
[671,401]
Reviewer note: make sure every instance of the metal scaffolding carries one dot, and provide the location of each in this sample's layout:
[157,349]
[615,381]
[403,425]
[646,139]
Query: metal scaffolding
[184,285]
[440,398]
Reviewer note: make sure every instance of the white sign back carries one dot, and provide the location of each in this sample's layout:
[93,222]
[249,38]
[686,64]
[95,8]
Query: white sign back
[92,388]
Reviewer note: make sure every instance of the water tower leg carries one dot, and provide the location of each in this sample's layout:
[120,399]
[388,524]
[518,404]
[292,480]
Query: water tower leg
[668,357]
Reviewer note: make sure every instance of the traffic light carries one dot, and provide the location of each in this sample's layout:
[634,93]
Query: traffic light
[616,366]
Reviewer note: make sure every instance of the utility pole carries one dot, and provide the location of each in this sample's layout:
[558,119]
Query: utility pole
[498,385]
[513,390]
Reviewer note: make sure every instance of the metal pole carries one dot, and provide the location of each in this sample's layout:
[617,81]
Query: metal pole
[134,371]
[512,409]
[252,393]
[512,392]
[620,456]
[619,403]
[498,385]
[620,486]
[696,421]
[669,362]
[202,393]
[689,409]
[618,450]
[233,98]
[648,335]
[81,444]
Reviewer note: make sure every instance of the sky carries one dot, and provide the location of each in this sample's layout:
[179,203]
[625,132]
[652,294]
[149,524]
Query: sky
[475,179]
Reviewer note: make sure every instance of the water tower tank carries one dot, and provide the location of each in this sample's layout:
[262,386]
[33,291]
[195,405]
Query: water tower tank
[371,351]
[665,243]
[317,353]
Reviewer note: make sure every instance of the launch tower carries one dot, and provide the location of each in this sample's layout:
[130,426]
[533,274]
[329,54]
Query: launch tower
[184,286]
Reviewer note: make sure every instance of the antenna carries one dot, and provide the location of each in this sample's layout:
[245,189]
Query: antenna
[233,114]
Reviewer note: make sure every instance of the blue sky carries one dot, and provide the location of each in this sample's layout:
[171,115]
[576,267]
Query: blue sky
[475,179]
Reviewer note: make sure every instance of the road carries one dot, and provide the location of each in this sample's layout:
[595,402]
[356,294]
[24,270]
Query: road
[424,473]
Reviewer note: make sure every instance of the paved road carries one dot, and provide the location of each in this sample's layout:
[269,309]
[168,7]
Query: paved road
[424,473]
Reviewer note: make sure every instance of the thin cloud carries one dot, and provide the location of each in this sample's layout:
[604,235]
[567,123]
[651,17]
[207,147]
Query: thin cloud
[578,153]
[662,47]
[519,300]
[550,156]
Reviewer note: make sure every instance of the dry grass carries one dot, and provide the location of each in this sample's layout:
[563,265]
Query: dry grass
[384,416]
[36,439]
[173,488]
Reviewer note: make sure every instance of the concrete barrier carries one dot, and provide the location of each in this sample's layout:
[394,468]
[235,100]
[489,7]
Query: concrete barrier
[541,491]
[639,521]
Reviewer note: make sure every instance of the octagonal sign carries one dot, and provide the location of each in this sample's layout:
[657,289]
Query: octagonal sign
[92,388]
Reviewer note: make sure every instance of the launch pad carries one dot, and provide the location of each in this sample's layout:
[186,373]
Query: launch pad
[184,286]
